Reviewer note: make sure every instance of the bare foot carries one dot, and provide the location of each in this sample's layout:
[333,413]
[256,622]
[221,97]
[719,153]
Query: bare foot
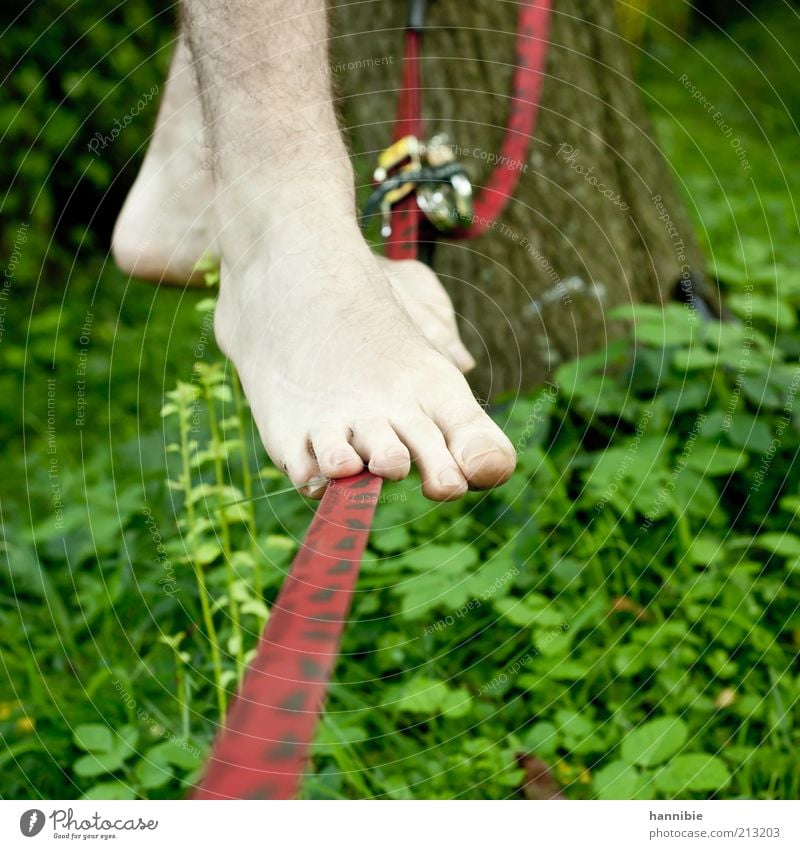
[338,376]
[164,227]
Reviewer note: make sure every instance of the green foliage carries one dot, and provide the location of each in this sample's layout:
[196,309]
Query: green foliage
[635,18]
[637,614]
[108,754]
[625,608]
[654,741]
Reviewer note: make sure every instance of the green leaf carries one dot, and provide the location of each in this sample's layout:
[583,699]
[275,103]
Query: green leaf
[256,607]
[542,739]
[332,733]
[764,394]
[696,495]
[765,307]
[93,737]
[711,460]
[631,473]
[698,772]
[694,358]
[110,790]
[421,593]
[578,732]
[660,328]
[494,578]
[654,741]
[783,544]
[222,392]
[454,558]
[705,549]
[211,491]
[151,774]
[206,552]
[128,738]
[278,549]
[176,752]
[573,377]
[390,540]
[98,764]
[730,338]
[791,503]
[689,396]
[534,609]
[620,780]
[429,697]
[445,581]
[552,640]
[749,432]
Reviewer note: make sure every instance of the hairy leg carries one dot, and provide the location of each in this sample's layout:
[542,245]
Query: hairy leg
[165,227]
[336,372]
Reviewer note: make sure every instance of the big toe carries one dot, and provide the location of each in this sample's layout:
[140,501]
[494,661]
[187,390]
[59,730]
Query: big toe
[483,452]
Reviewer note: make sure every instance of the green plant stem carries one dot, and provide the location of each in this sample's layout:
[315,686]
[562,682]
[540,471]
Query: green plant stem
[684,533]
[200,577]
[247,483]
[227,549]
[182,700]
[621,586]
[722,390]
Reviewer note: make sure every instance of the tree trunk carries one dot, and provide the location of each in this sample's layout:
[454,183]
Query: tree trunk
[596,220]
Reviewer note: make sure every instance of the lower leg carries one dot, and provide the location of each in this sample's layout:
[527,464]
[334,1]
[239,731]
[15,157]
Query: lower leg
[165,228]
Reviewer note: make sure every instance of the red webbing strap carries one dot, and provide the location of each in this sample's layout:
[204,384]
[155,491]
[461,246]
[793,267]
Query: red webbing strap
[263,750]
[406,216]
[531,54]
[532,30]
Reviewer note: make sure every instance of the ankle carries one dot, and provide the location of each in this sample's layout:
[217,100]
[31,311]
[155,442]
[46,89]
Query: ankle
[275,223]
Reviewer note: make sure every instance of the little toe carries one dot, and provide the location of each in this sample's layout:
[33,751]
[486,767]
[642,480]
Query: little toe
[303,471]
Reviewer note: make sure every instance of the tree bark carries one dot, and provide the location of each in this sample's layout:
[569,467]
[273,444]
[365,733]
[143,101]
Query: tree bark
[596,220]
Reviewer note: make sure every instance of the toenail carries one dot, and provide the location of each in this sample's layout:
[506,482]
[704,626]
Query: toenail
[479,447]
[341,458]
[451,479]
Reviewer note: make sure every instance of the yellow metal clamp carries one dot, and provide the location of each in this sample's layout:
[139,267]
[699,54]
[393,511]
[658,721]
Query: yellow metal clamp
[447,203]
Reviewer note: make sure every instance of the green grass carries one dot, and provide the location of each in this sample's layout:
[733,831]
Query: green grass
[626,608]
